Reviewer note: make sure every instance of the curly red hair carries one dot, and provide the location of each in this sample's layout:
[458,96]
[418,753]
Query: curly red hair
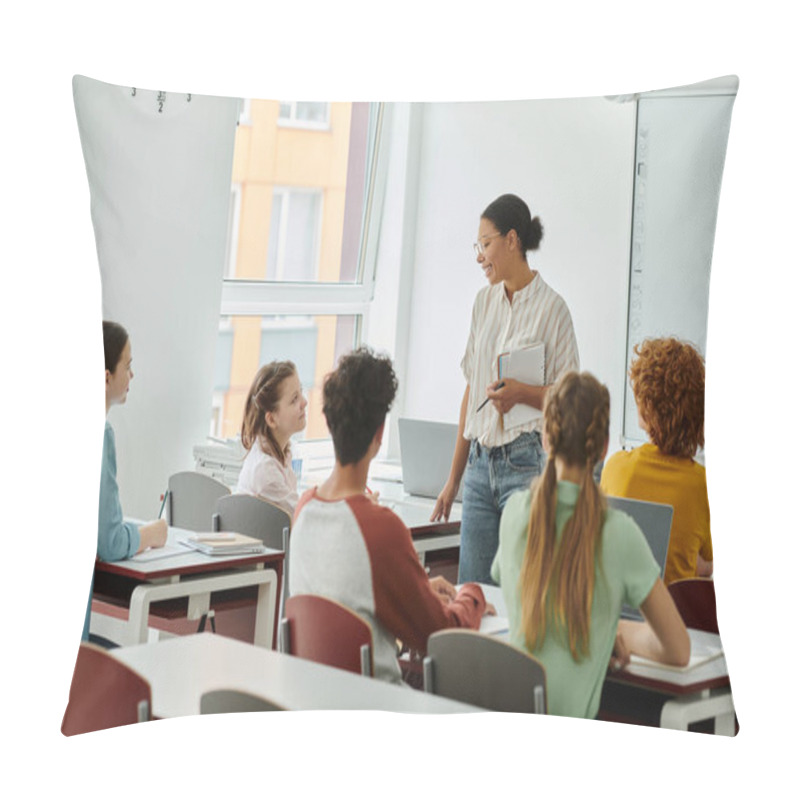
[668,379]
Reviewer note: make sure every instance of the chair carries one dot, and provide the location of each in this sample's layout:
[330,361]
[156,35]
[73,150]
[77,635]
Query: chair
[224,701]
[696,602]
[104,693]
[327,632]
[192,500]
[254,516]
[484,671]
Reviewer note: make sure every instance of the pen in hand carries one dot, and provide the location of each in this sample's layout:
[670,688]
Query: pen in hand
[499,386]
[163,503]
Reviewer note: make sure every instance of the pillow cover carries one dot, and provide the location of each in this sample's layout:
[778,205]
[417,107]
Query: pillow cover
[233,232]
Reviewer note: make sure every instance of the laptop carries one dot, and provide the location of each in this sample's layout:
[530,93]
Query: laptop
[655,520]
[426,453]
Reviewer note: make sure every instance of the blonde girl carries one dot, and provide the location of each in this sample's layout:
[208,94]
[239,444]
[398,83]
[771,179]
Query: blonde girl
[567,563]
[275,410]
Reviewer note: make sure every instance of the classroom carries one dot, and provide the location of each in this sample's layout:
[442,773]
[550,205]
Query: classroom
[376,249]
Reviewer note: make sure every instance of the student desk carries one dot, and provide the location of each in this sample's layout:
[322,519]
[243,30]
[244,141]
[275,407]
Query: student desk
[181,670]
[194,575]
[704,692]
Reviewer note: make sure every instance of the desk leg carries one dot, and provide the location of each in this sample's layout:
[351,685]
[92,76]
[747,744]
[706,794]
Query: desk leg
[725,724]
[265,611]
[146,594]
[679,712]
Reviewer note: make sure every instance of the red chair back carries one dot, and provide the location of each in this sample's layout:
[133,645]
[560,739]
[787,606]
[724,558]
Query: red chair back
[327,632]
[104,693]
[696,602]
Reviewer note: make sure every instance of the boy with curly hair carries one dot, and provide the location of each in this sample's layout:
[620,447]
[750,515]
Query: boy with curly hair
[347,547]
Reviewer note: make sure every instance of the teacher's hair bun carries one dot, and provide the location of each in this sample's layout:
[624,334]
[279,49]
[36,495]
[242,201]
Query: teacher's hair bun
[535,234]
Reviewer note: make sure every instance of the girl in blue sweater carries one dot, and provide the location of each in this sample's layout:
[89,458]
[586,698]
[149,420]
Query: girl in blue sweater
[117,539]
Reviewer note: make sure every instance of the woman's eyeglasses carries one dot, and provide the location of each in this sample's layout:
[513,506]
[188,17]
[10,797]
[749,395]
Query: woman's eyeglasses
[480,247]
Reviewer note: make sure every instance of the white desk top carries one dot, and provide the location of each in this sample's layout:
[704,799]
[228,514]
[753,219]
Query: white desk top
[182,669]
[709,671]
[183,558]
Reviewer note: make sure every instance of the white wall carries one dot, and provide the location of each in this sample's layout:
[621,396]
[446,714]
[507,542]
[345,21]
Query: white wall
[572,162]
[160,188]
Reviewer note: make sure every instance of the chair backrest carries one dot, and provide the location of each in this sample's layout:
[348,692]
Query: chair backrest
[192,500]
[696,602]
[327,632]
[484,671]
[253,516]
[104,693]
[225,701]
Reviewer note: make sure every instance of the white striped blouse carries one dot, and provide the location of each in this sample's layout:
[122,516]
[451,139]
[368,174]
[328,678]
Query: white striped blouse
[535,314]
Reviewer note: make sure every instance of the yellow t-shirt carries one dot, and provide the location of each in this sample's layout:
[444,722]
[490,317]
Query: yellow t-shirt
[647,474]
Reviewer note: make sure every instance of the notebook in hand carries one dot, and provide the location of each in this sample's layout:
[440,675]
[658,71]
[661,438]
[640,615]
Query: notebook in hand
[527,366]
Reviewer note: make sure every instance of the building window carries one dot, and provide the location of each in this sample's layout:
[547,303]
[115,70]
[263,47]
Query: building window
[303,114]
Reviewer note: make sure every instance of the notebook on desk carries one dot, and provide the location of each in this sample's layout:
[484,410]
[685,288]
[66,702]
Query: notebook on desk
[655,521]
[426,453]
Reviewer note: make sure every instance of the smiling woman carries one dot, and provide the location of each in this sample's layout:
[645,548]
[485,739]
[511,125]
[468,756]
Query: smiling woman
[516,310]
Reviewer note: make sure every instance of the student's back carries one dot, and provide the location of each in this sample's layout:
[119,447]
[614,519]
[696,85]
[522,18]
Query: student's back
[668,382]
[625,573]
[566,563]
[647,474]
[361,554]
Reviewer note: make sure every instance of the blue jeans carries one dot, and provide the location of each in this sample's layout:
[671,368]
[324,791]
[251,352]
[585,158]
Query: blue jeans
[492,476]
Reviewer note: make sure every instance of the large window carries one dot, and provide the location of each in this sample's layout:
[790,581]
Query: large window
[306,183]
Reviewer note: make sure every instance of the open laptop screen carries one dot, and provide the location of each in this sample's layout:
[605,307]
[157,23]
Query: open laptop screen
[655,520]
[426,453]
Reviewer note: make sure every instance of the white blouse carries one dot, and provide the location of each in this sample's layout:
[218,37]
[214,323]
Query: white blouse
[536,313]
[264,476]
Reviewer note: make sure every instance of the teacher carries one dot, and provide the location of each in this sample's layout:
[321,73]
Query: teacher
[515,310]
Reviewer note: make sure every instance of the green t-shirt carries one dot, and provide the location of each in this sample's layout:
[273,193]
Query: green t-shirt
[626,572]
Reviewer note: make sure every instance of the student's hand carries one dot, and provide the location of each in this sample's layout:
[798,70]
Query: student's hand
[621,655]
[490,611]
[153,534]
[443,588]
[372,495]
[506,398]
[444,502]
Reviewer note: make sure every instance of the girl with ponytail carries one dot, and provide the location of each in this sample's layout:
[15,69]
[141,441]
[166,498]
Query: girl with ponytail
[567,563]
[274,411]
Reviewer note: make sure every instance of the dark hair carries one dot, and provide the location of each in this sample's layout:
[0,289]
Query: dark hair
[115,338]
[356,397]
[510,212]
[264,394]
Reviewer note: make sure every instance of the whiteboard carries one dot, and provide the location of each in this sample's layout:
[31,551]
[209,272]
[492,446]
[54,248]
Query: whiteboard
[679,158]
